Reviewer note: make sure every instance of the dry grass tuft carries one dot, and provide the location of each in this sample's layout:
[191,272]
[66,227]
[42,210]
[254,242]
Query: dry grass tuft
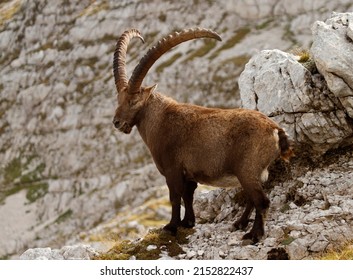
[303,55]
[344,252]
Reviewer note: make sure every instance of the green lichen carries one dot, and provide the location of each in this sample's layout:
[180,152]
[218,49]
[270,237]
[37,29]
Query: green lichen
[36,191]
[231,42]
[88,61]
[287,240]
[19,174]
[284,208]
[4,257]
[168,63]
[4,59]
[34,175]
[202,51]
[12,170]
[264,24]
[10,191]
[3,129]
[288,34]
[80,86]
[65,45]
[162,17]
[108,38]
[64,216]
[94,8]
[238,61]
[149,38]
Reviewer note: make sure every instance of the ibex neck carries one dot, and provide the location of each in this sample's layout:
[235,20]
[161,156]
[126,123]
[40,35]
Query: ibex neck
[151,115]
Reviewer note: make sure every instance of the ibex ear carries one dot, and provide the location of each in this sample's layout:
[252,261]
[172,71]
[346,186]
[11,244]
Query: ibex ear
[150,90]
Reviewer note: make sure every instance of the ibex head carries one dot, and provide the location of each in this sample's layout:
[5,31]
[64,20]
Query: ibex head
[131,96]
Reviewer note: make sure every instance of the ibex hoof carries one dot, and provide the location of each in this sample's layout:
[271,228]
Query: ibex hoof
[187,223]
[170,229]
[240,225]
[251,238]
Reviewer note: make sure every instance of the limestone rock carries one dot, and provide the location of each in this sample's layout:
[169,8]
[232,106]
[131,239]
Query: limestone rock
[76,252]
[275,83]
[40,254]
[332,50]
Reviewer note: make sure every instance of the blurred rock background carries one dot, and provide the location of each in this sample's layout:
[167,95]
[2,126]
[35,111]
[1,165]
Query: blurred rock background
[65,171]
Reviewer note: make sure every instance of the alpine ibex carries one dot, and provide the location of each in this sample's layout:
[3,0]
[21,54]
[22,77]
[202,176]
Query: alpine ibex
[192,144]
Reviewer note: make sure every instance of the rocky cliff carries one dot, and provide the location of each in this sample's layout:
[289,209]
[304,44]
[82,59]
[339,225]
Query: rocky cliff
[309,94]
[63,168]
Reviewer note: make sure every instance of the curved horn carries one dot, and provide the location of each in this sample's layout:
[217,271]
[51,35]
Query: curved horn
[119,63]
[162,47]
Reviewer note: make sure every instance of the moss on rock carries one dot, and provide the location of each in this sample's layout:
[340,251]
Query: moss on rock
[142,249]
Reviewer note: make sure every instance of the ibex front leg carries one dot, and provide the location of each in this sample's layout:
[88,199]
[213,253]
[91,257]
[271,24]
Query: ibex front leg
[176,186]
[188,197]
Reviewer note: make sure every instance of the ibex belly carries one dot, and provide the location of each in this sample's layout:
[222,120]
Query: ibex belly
[227,181]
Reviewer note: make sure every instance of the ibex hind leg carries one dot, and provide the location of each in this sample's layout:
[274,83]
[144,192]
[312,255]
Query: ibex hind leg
[261,203]
[188,197]
[243,221]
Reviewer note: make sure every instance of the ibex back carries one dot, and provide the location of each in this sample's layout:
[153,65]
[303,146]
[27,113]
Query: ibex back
[192,144]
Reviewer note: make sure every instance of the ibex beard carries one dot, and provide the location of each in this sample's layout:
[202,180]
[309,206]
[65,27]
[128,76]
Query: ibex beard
[192,144]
